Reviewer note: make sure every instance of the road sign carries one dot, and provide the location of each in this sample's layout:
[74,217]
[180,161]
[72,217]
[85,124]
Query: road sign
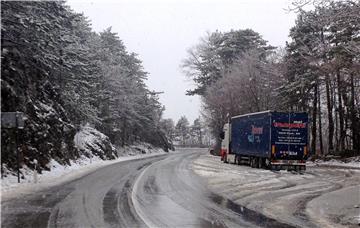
[12,120]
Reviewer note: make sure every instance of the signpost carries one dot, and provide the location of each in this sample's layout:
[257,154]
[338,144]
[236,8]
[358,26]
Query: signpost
[14,120]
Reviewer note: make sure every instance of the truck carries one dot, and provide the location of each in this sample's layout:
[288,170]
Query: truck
[269,139]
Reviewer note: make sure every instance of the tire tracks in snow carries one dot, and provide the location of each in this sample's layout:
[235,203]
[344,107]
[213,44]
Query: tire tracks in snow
[280,195]
[101,198]
[169,194]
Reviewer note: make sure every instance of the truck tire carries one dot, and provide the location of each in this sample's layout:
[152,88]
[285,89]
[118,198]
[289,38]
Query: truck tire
[256,162]
[226,160]
[267,164]
[261,163]
[238,160]
[253,162]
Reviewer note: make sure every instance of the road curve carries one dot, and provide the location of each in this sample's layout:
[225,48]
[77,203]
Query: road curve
[99,199]
[162,191]
[169,194]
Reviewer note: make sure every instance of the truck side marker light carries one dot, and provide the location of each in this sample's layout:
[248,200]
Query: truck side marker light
[273,149]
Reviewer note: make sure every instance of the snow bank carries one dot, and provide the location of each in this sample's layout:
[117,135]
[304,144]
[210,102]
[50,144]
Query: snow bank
[137,148]
[353,162]
[96,151]
[92,142]
[326,197]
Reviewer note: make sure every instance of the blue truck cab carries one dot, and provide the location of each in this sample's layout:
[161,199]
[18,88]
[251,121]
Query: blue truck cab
[276,140]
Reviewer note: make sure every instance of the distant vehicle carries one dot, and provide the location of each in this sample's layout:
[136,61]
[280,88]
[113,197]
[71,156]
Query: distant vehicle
[275,140]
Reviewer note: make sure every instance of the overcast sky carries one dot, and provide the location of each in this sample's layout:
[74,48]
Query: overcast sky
[161,32]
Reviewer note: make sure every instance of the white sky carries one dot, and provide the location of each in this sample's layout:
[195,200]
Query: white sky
[161,31]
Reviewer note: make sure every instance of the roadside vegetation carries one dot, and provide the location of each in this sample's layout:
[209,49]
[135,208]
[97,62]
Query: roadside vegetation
[238,72]
[62,76]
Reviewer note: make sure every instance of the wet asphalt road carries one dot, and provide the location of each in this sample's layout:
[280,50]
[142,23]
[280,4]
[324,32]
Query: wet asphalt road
[169,194]
[161,191]
[99,199]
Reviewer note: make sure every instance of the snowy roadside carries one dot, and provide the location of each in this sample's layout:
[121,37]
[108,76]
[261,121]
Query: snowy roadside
[350,163]
[324,197]
[96,151]
[335,208]
[60,174]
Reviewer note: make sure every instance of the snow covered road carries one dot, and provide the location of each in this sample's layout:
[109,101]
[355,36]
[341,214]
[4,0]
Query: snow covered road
[190,188]
[169,194]
[322,197]
[98,199]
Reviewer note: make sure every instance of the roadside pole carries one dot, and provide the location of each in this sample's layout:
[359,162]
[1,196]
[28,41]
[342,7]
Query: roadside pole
[14,121]
[17,148]
[17,155]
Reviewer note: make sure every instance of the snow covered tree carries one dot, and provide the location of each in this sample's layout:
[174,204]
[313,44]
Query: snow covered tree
[322,61]
[61,74]
[33,34]
[214,58]
[182,129]
[207,61]
[197,132]
[168,126]
[249,86]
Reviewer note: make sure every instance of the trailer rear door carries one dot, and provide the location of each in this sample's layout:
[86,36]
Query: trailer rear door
[289,136]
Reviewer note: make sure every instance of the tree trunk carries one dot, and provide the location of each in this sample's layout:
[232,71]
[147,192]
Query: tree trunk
[123,138]
[320,125]
[313,129]
[354,120]
[329,103]
[336,118]
[341,113]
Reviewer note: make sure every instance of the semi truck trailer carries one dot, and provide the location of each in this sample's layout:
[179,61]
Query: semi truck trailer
[269,139]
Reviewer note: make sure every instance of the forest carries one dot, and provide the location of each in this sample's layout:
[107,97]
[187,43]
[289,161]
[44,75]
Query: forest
[238,72]
[62,75]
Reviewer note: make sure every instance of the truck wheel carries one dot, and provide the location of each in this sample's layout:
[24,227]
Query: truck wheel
[267,164]
[252,162]
[255,162]
[261,162]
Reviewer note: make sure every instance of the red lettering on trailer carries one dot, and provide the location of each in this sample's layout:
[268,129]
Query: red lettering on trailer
[256,130]
[290,125]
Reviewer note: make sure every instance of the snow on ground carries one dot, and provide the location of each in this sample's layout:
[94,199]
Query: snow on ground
[92,142]
[59,174]
[353,162]
[88,136]
[335,208]
[289,197]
